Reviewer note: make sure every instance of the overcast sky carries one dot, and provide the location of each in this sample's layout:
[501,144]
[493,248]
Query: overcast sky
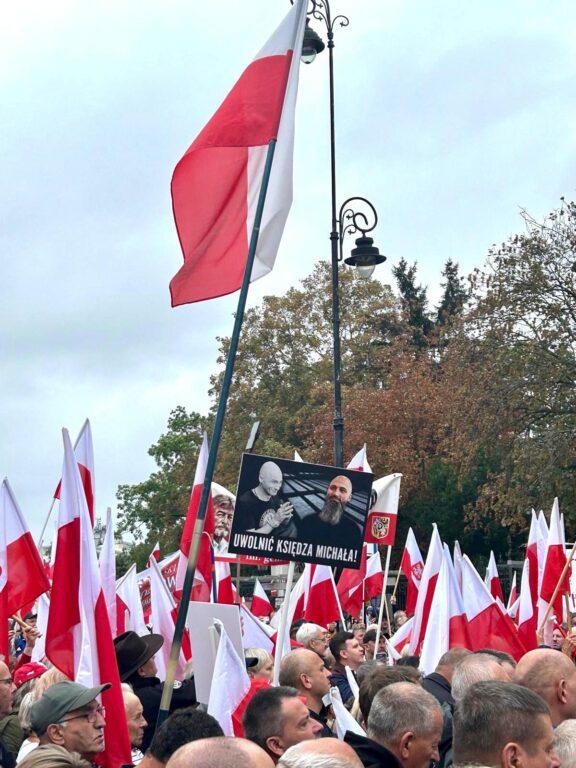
[451,117]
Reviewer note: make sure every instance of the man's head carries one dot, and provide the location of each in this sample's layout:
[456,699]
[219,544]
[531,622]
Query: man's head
[320,753]
[182,727]
[449,661]
[69,714]
[223,514]
[359,631]
[565,743]
[380,677]
[277,718]
[220,752]
[473,669]
[557,639]
[503,725]
[369,644]
[337,496]
[135,654]
[134,716]
[347,650]
[304,670]
[270,478]
[6,690]
[552,676]
[314,637]
[400,618]
[407,720]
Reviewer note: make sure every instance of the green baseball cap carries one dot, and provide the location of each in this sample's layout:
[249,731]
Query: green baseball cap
[60,699]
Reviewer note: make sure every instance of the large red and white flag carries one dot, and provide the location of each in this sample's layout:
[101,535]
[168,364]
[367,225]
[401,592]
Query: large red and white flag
[398,641]
[360,461]
[22,574]
[527,618]
[447,624]
[351,587]
[78,638]
[554,565]
[163,620]
[321,599]
[230,683]
[202,589]
[492,579]
[374,581]
[107,564]
[129,613]
[216,185]
[426,593]
[488,624]
[84,452]
[412,566]
[381,524]
[261,605]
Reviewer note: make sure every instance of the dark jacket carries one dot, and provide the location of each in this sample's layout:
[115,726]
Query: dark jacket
[6,757]
[439,687]
[321,718]
[371,754]
[339,679]
[149,691]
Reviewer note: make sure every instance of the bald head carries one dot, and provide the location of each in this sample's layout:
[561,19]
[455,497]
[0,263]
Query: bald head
[321,753]
[270,478]
[552,675]
[476,668]
[220,752]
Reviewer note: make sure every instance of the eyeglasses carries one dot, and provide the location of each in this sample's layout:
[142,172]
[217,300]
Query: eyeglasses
[90,716]
[6,681]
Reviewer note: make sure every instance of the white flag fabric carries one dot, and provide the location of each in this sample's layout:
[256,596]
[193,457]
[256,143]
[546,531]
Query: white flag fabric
[342,718]
[107,565]
[230,682]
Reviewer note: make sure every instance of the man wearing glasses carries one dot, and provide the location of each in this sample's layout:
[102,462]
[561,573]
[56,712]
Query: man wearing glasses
[70,715]
[6,690]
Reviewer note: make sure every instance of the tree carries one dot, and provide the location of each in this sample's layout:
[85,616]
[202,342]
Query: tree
[454,295]
[414,303]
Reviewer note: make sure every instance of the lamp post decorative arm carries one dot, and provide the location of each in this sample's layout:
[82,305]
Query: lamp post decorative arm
[351,221]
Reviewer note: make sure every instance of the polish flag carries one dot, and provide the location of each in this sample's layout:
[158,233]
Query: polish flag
[447,624]
[224,587]
[399,640]
[426,592]
[216,185]
[513,596]
[296,605]
[22,574]
[154,554]
[230,682]
[374,577]
[554,563]
[261,605]
[351,587]
[492,579]
[107,565]
[527,618]
[412,566]
[129,613]
[202,588]
[163,620]
[360,461]
[78,637]
[381,525]
[458,564]
[255,633]
[489,626]
[322,599]
[84,452]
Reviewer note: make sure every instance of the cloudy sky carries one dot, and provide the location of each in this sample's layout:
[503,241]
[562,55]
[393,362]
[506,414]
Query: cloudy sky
[451,117]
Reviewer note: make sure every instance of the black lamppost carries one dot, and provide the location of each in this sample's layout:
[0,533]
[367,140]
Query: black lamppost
[348,221]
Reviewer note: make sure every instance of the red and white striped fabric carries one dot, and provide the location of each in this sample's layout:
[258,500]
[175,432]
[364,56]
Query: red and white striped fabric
[489,626]
[202,589]
[230,683]
[261,605]
[492,579]
[399,640]
[215,186]
[129,613]
[426,592]
[163,619]
[527,618]
[22,574]
[351,587]
[360,461]
[107,564]
[447,624]
[321,598]
[225,592]
[78,638]
[513,596]
[374,580]
[412,566]
[382,517]
[554,563]
[84,452]
[154,554]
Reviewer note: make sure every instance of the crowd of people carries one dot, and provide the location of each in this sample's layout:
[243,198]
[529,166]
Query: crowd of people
[476,709]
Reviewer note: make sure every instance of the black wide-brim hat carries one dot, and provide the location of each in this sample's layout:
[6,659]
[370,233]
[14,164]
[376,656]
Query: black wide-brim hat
[132,651]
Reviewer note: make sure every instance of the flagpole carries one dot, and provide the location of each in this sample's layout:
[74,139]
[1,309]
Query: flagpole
[218,424]
[383,601]
[556,590]
[393,597]
[41,539]
[283,619]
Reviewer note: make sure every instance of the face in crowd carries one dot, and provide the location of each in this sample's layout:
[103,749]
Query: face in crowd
[337,496]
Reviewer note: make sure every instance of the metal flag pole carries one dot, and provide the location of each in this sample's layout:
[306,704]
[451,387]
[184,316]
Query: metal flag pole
[218,423]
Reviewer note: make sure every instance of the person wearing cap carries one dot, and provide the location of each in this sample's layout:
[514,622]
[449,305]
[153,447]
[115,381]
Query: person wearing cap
[136,665]
[70,715]
[10,728]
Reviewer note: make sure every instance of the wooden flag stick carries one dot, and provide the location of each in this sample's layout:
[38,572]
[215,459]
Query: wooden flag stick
[393,598]
[383,602]
[556,590]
